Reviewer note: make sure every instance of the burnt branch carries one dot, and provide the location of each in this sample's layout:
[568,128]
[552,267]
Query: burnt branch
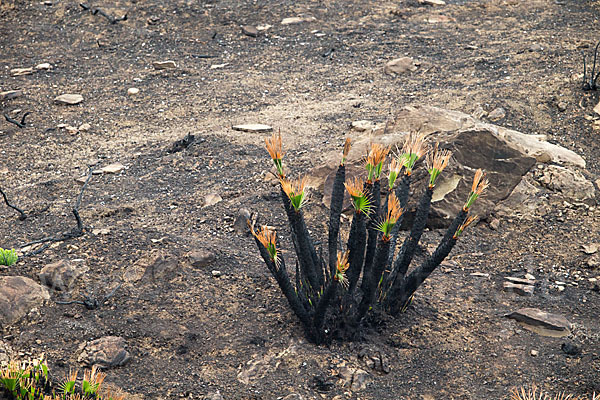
[72,234]
[98,11]
[22,215]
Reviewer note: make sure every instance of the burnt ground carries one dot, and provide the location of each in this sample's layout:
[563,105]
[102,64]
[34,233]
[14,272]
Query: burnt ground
[190,333]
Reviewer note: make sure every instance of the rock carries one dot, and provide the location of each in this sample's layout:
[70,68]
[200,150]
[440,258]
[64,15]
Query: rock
[597,108]
[43,66]
[18,295]
[506,155]
[21,71]
[594,261]
[84,127]
[212,199]
[375,359]
[522,281]
[433,2]
[69,99]
[105,352]
[570,349]
[163,267]
[160,65]
[542,322]
[297,20]
[133,91]
[252,128]
[479,113]
[400,66]
[562,106]
[362,125]
[249,30]
[219,66]
[293,396]
[100,231]
[495,224]
[518,288]
[240,225]
[530,277]
[200,258]
[214,396]
[480,274]
[216,273]
[590,248]
[534,353]
[497,114]
[10,94]
[571,184]
[113,168]
[5,353]
[359,380]
[265,27]
[60,275]
[437,19]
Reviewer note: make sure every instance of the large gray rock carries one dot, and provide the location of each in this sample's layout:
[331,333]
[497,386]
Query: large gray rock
[60,275]
[506,156]
[105,352]
[18,295]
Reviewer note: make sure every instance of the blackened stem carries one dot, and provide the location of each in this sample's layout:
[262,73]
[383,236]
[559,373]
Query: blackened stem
[280,274]
[321,309]
[337,200]
[22,215]
[411,283]
[371,228]
[356,245]
[371,280]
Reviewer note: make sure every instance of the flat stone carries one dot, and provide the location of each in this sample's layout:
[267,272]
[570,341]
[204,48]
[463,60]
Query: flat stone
[522,281]
[597,108]
[433,2]
[497,114]
[60,275]
[252,128]
[21,71]
[69,99]
[105,352]
[439,19]
[84,127]
[43,66]
[18,295]
[400,66]
[297,20]
[133,91]
[590,248]
[216,273]
[219,66]
[160,65]
[112,168]
[211,199]
[541,322]
[200,258]
[362,125]
[10,94]
[495,224]
[250,30]
[518,288]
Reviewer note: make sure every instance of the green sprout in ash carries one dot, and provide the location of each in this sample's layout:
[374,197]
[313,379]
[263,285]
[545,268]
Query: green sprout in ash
[8,257]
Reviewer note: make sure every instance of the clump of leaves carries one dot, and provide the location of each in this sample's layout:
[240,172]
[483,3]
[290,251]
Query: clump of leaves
[8,257]
[30,381]
[532,393]
[332,298]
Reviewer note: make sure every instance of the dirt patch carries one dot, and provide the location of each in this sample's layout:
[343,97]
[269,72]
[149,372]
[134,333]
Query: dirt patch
[190,332]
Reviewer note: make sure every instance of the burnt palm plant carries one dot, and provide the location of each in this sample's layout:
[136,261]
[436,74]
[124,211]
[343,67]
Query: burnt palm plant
[332,298]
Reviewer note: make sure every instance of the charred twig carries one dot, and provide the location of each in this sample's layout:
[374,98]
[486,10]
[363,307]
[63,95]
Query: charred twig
[90,302]
[72,234]
[17,123]
[22,215]
[110,18]
[590,84]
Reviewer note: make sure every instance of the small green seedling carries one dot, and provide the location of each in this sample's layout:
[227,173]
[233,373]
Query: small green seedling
[8,257]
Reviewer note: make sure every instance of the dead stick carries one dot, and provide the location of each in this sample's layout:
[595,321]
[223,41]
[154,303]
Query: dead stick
[23,216]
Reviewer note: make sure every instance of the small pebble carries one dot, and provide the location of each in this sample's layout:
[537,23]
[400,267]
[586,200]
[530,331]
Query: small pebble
[133,91]
[534,353]
[216,273]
